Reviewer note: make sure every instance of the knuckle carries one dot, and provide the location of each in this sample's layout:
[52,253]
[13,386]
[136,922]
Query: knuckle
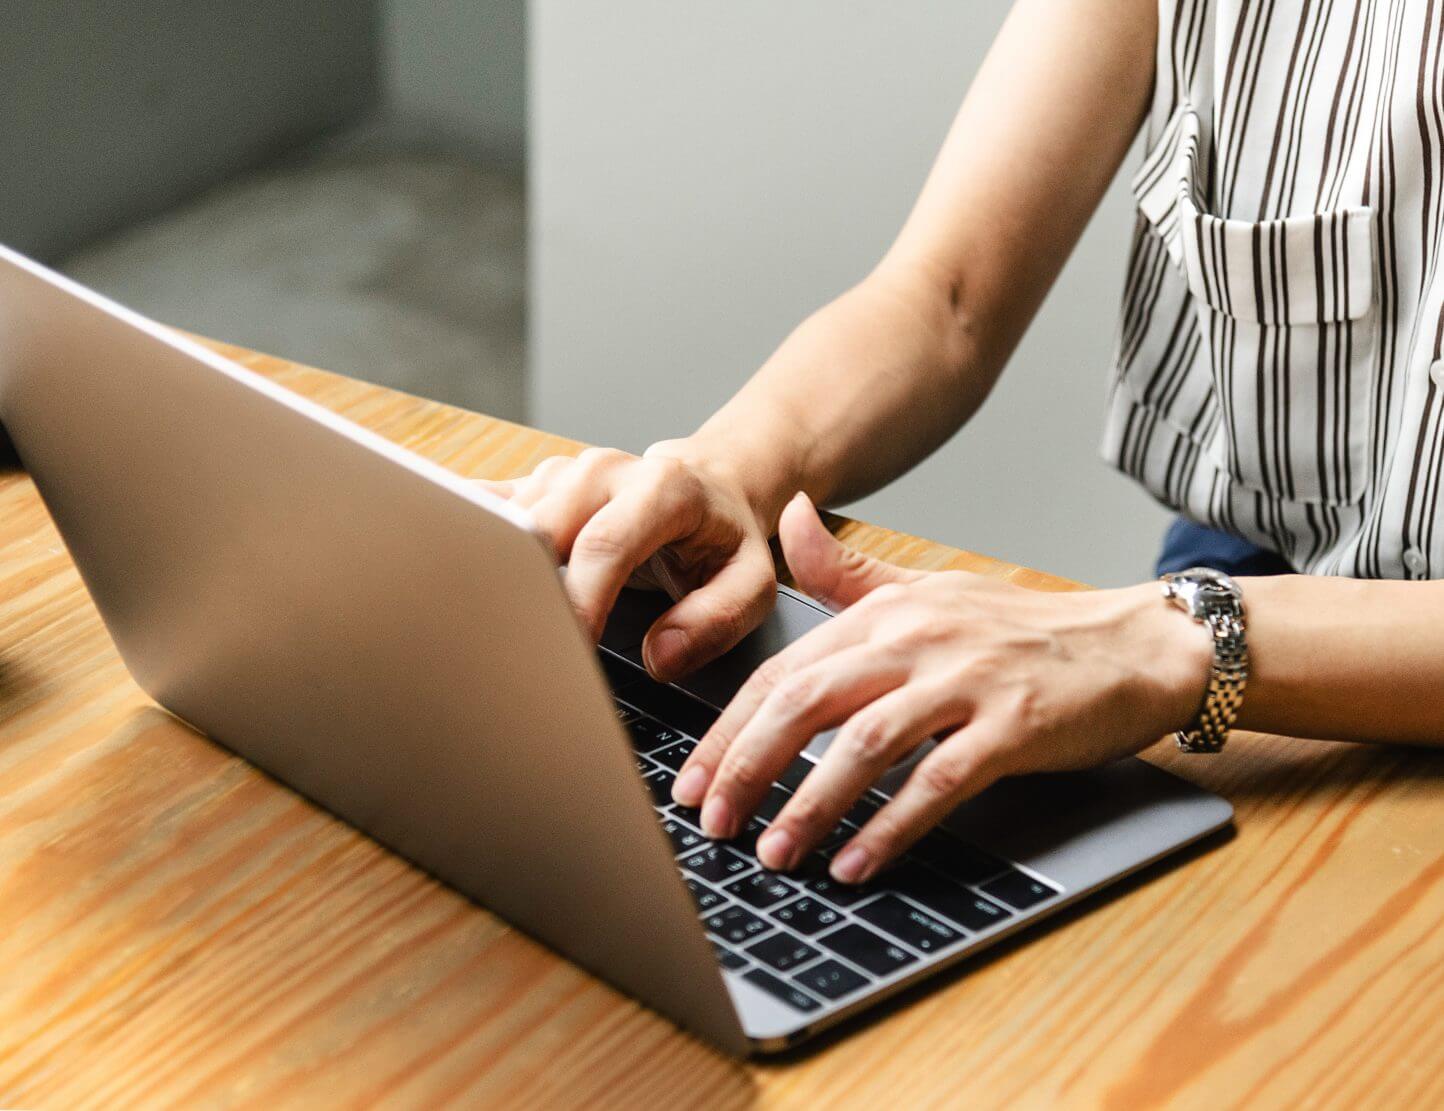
[979,668]
[798,694]
[868,737]
[712,749]
[742,769]
[769,673]
[804,811]
[599,544]
[601,456]
[547,469]
[942,777]
[666,470]
[888,594]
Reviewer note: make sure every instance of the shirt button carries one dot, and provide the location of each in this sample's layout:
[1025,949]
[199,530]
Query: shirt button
[1436,373]
[1414,559]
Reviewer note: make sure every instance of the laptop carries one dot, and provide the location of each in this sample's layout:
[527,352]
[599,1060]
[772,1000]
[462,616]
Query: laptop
[396,644]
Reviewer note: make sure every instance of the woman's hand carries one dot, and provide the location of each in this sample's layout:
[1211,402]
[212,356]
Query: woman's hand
[1009,681]
[613,517]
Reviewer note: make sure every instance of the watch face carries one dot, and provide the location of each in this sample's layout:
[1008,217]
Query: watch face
[1200,590]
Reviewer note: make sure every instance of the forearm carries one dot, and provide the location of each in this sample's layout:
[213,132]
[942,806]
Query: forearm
[871,384]
[861,391]
[1345,659]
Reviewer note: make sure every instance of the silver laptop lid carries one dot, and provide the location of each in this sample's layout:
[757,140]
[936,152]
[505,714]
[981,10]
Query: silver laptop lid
[367,627]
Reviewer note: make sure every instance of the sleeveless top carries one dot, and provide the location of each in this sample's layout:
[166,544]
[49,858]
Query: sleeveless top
[1278,372]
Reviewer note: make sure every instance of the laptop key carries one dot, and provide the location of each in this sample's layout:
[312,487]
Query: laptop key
[795,772]
[1018,890]
[793,996]
[922,931]
[689,814]
[831,979]
[746,841]
[736,924]
[649,735]
[715,863]
[702,895]
[808,915]
[729,959]
[760,889]
[866,949]
[782,952]
[684,837]
[813,877]
[942,896]
[862,811]
[674,756]
[772,803]
[836,838]
[659,783]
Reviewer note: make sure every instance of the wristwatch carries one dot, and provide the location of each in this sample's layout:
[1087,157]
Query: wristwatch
[1214,600]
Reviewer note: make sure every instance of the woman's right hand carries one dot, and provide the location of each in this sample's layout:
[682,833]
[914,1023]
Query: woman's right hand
[608,513]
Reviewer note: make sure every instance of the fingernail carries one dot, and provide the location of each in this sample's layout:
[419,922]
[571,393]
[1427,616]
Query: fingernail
[853,865]
[663,651]
[690,786]
[717,818]
[776,849]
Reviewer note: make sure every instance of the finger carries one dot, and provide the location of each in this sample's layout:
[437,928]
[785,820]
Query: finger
[963,765]
[810,700]
[531,488]
[562,513]
[831,572]
[498,487]
[618,539]
[871,741]
[696,773]
[714,617]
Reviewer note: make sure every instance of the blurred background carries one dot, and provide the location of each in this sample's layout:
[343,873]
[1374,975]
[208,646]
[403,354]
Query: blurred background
[598,219]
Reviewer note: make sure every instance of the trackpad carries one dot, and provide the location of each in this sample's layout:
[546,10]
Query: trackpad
[793,616]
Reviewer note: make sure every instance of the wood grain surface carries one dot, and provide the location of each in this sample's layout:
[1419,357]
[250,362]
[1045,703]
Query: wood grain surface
[180,930]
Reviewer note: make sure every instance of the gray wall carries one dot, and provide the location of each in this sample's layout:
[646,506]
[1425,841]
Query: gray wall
[703,175]
[113,111]
[455,75]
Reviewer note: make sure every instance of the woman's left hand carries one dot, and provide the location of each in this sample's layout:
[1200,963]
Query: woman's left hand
[1009,680]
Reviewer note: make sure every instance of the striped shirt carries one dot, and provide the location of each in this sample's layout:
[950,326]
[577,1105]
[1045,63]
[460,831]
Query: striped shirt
[1279,371]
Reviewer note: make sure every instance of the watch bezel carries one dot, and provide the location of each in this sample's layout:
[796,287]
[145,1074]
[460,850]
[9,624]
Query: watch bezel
[1201,591]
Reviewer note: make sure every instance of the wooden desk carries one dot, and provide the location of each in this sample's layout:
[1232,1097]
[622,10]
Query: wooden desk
[180,930]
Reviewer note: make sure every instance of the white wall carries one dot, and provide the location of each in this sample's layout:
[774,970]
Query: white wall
[703,175]
[455,73]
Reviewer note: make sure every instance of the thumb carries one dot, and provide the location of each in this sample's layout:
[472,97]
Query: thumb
[825,568]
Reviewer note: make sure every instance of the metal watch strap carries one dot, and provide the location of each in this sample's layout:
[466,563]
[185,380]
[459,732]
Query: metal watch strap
[1215,601]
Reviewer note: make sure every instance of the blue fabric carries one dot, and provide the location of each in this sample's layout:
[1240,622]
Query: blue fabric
[1187,544]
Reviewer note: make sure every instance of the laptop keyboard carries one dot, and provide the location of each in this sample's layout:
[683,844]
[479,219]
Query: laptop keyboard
[803,937]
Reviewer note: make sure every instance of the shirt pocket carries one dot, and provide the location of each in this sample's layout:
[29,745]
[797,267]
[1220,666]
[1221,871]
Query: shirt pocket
[1286,328]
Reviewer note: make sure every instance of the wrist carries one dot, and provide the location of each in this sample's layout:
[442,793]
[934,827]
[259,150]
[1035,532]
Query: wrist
[1177,652]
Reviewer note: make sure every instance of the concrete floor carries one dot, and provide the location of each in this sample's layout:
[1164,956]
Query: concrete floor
[404,269]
